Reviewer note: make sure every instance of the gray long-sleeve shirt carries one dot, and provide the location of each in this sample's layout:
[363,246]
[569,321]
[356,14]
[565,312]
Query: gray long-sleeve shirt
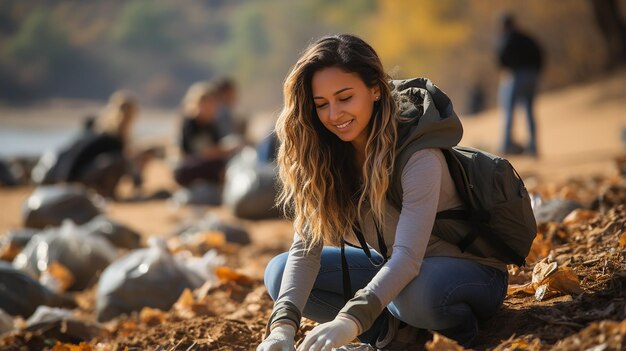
[427,189]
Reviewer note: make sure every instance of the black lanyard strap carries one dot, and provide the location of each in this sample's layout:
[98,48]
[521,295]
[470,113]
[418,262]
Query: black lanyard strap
[347,284]
[381,244]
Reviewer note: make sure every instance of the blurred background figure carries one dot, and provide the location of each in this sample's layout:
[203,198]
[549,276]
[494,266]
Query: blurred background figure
[476,98]
[203,156]
[521,59]
[227,99]
[117,122]
[100,155]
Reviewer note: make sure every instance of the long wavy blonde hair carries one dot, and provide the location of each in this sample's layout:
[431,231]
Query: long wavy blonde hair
[319,189]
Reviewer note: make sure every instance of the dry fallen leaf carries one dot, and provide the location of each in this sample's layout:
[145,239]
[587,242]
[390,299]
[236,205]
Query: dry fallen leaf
[70,347]
[185,300]
[622,240]
[188,306]
[126,327]
[579,215]
[542,270]
[226,274]
[519,344]
[441,343]
[198,242]
[9,250]
[548,278]
[568,192]
[210,239]
[564,280]
[60,274]
[151,316]
[527,288]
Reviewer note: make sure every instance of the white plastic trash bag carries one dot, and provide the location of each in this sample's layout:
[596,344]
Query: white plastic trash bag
[149,277]
[62,325]
[51,205]
[200,270]
[84,255]
[119,235]
[250,187]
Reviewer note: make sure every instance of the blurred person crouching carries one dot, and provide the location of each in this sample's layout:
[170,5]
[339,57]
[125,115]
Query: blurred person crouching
[204,150]
[100,155]
[109,156]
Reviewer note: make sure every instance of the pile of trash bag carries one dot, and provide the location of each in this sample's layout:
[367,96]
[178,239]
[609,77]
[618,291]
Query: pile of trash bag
[150,277]
[117,234]
[20,294]
[83,255]
[232,233]
[51,205]
[250,186]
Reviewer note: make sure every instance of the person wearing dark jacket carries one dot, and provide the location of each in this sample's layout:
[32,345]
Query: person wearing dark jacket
[203,157]
[521,58]
[100,155]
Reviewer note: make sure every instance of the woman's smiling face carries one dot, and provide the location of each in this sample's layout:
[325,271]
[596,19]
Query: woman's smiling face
[344,104]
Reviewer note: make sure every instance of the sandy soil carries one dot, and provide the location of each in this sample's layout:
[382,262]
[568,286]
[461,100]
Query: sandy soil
[579,137]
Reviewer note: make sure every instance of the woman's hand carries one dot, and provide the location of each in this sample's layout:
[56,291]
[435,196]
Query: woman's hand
[336,333]
[280,339]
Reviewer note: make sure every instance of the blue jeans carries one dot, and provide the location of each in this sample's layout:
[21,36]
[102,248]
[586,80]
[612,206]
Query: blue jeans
[450,295]
[521,86]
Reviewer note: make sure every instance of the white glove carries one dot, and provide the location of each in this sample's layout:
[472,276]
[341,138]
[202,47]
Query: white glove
[336,333]
[281,338]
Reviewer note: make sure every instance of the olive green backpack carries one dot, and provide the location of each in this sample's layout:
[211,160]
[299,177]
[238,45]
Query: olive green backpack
[497,219]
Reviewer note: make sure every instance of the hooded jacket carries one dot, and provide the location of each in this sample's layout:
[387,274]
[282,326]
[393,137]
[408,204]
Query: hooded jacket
[427,121]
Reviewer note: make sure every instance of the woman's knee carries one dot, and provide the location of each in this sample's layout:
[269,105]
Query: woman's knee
[274,274]
[422,312]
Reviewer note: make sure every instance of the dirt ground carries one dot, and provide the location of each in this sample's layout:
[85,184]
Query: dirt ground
[584,305]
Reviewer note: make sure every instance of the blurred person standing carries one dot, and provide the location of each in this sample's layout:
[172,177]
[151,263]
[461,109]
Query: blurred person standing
[521,59]
[203,158]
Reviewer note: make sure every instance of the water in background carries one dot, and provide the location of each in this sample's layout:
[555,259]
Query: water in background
[19,141]
[33,130]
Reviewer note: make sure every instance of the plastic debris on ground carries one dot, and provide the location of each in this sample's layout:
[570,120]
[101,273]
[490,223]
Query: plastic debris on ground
[51,205]
[20,294]
[151,277]
[83,255]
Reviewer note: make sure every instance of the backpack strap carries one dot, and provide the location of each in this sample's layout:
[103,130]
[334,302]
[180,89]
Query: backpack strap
[460,179]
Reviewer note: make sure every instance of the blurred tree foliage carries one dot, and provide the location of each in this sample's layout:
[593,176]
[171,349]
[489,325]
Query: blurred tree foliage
[414,35]
[39,48]
[146,25]
[158,48]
